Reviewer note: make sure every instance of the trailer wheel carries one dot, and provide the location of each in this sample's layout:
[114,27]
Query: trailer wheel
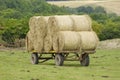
[85,60]
[34,58]
[59,59]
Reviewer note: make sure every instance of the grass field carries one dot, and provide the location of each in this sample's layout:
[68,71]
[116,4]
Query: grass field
[15,65]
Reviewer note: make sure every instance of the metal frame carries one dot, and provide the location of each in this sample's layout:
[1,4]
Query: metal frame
[65,53]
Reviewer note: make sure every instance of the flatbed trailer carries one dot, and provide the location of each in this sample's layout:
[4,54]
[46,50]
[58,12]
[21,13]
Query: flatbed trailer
[62,56]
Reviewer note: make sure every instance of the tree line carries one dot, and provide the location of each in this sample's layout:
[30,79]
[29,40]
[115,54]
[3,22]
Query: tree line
[15,14]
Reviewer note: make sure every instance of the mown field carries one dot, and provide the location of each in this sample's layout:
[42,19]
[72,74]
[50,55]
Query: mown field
[109,5]
[15,65]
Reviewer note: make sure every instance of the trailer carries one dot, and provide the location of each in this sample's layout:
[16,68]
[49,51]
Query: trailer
[63,37]
[62,56]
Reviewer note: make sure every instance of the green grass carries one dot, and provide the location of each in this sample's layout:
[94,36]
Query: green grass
[104,65]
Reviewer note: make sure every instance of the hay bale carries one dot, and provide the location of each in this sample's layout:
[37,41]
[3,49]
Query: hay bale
[32,23]
[32,33]
[48,43]
[59,23]
[48,37]
[89,40]
[66,41]
[41,26]
[82,22]
[56,24]
[55,42]
[29,42]
[38,25]
[40,33]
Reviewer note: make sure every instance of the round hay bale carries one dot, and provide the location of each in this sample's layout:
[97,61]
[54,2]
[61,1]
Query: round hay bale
[82,22]
[89,40]
[48,43]
[60,23]
[32,23]
[29,42]
[38,25]
[40,33]
[46,18]
[56,42]
[41,26]
[32,26]
[38,45]
[67,41]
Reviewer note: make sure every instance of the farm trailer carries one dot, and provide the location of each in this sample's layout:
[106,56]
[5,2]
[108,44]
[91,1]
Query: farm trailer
[60,57]
[65,34]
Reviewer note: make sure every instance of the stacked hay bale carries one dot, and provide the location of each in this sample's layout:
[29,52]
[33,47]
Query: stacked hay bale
[31,35]
[61,33]
[83,25]
[48,37]
[29,41]
[63,37]
[40,33]
[57,24]
[82,22]
[66,41]
[60,23]
[48,43]
[37,25]
[89,40]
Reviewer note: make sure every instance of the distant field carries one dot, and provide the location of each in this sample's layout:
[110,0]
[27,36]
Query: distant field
[15,65]
[109,5]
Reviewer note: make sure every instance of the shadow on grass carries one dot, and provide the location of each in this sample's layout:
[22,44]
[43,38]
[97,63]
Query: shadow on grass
[71,64]
[67,64]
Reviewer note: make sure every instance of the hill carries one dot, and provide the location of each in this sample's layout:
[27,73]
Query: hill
[15,15]
[109,5]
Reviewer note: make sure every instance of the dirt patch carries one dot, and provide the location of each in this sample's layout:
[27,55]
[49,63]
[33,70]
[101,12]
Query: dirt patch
[11,49]
[105,76]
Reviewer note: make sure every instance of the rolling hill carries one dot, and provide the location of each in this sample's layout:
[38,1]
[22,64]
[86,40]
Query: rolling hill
[109,5]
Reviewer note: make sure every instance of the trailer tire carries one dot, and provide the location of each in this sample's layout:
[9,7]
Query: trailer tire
[34,58]
[59,59]
[85,60]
